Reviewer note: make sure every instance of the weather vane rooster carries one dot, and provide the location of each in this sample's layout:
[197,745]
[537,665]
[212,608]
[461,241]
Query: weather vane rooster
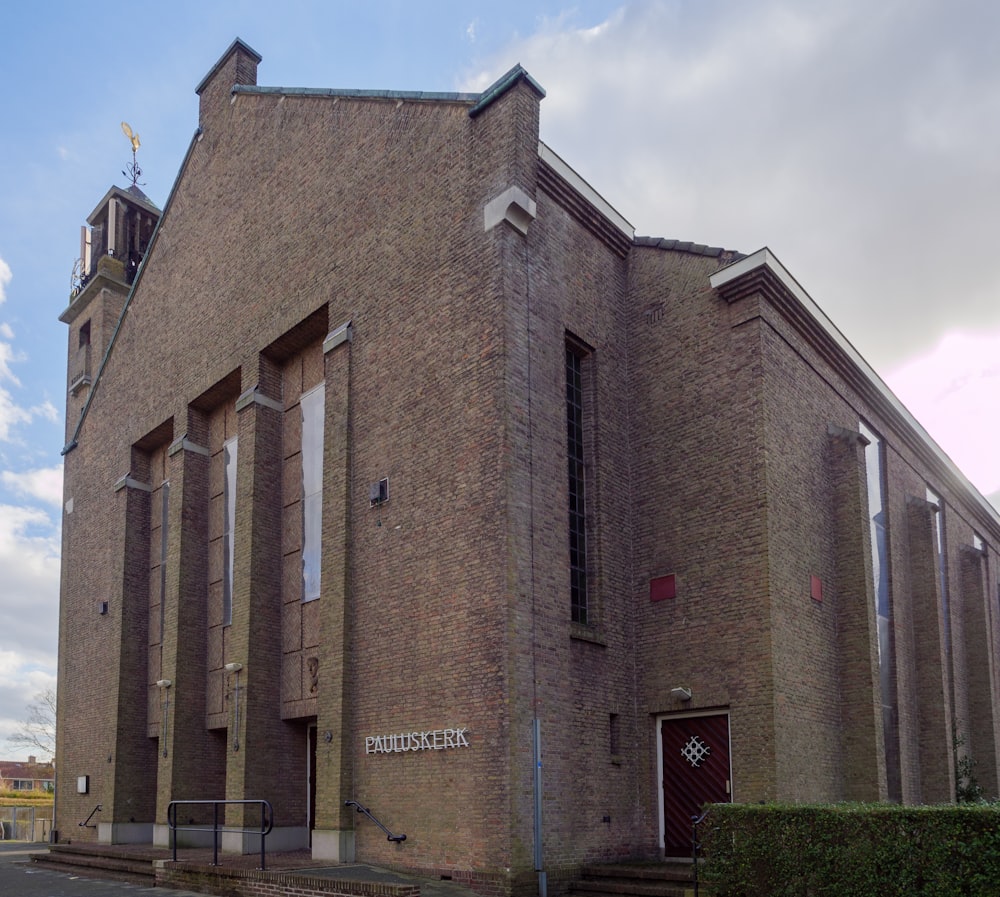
[134,171]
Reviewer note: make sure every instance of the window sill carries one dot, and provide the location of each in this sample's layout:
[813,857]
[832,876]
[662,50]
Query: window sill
[587,634]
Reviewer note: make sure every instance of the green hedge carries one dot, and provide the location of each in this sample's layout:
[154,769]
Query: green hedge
[852,850]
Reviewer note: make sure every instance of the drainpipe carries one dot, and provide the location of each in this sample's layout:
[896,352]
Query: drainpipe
[536,731]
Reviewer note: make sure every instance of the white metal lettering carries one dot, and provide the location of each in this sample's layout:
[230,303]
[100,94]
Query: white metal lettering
[430,740]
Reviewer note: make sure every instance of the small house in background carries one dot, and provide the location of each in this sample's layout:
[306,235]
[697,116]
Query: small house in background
[30,775]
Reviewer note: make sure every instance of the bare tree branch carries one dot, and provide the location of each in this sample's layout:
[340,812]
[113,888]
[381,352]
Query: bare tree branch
[38,731]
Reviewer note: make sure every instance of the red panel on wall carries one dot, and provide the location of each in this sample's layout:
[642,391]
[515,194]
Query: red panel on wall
[816,588]
[663,587]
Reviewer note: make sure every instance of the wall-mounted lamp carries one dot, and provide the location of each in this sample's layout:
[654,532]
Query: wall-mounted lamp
[234,669]
[164,686]
[681,693]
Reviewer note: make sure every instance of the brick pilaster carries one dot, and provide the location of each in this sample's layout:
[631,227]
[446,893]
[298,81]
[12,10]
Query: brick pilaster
[863,742]
[133,754]
[189,757]
[334,821]
[264,750]
[937,774]
[980,729]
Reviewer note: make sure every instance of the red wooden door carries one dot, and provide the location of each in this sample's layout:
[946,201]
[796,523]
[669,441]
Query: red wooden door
[695,772]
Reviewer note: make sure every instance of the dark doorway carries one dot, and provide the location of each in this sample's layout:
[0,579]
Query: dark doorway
[695,772]
[313,742]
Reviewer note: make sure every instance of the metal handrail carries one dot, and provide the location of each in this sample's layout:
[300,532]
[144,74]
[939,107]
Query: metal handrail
[83,824]
[266,824]
[696,846]
[367,812]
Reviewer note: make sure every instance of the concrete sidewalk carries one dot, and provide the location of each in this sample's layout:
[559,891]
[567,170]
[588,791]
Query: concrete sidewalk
[287,862]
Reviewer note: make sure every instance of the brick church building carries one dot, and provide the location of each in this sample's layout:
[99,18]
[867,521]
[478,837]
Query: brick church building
[400,471]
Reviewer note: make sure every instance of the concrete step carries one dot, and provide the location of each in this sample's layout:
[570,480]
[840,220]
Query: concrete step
[120,866]
[678,889]
[636,880]
[639,874]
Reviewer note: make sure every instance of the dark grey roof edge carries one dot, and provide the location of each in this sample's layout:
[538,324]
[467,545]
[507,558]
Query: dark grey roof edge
[238,43]
[504,83]
[688,246]
[133,193]
[358,94]
[479,101]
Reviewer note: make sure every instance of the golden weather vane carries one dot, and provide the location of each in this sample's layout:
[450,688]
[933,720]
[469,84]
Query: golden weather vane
[133,171]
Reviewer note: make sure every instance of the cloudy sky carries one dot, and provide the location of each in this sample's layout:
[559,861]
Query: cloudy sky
[859,141]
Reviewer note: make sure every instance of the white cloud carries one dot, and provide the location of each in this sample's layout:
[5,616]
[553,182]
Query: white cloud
[11,414]
[6,357]
[44,484]
[46,410]
[16,693]
[29,558]
[954,391]
[5,277]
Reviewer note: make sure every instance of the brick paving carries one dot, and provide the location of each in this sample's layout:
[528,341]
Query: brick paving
[290,861]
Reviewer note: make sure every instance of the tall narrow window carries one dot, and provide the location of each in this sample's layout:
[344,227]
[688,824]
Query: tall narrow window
[312,404]
[875,467]
[81,367]
[576,456]
[228,530]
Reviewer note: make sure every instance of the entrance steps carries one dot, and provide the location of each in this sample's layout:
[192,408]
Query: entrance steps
[239,875]
[117,865]
[669,878]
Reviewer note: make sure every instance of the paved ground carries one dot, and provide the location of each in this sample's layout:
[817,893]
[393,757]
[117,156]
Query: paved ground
[361,872]
[19,879]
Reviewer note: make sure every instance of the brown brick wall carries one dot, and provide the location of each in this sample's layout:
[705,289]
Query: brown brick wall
[700,512]
[571,677]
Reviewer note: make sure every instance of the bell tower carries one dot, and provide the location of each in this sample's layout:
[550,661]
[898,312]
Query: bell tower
[113,243]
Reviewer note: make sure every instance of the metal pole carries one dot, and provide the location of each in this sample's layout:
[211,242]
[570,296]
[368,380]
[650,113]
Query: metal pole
[172,823]
[696,846]
[262,835]
[166,718]
[536,732]
[215,833]
[236,720]
[694,851]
